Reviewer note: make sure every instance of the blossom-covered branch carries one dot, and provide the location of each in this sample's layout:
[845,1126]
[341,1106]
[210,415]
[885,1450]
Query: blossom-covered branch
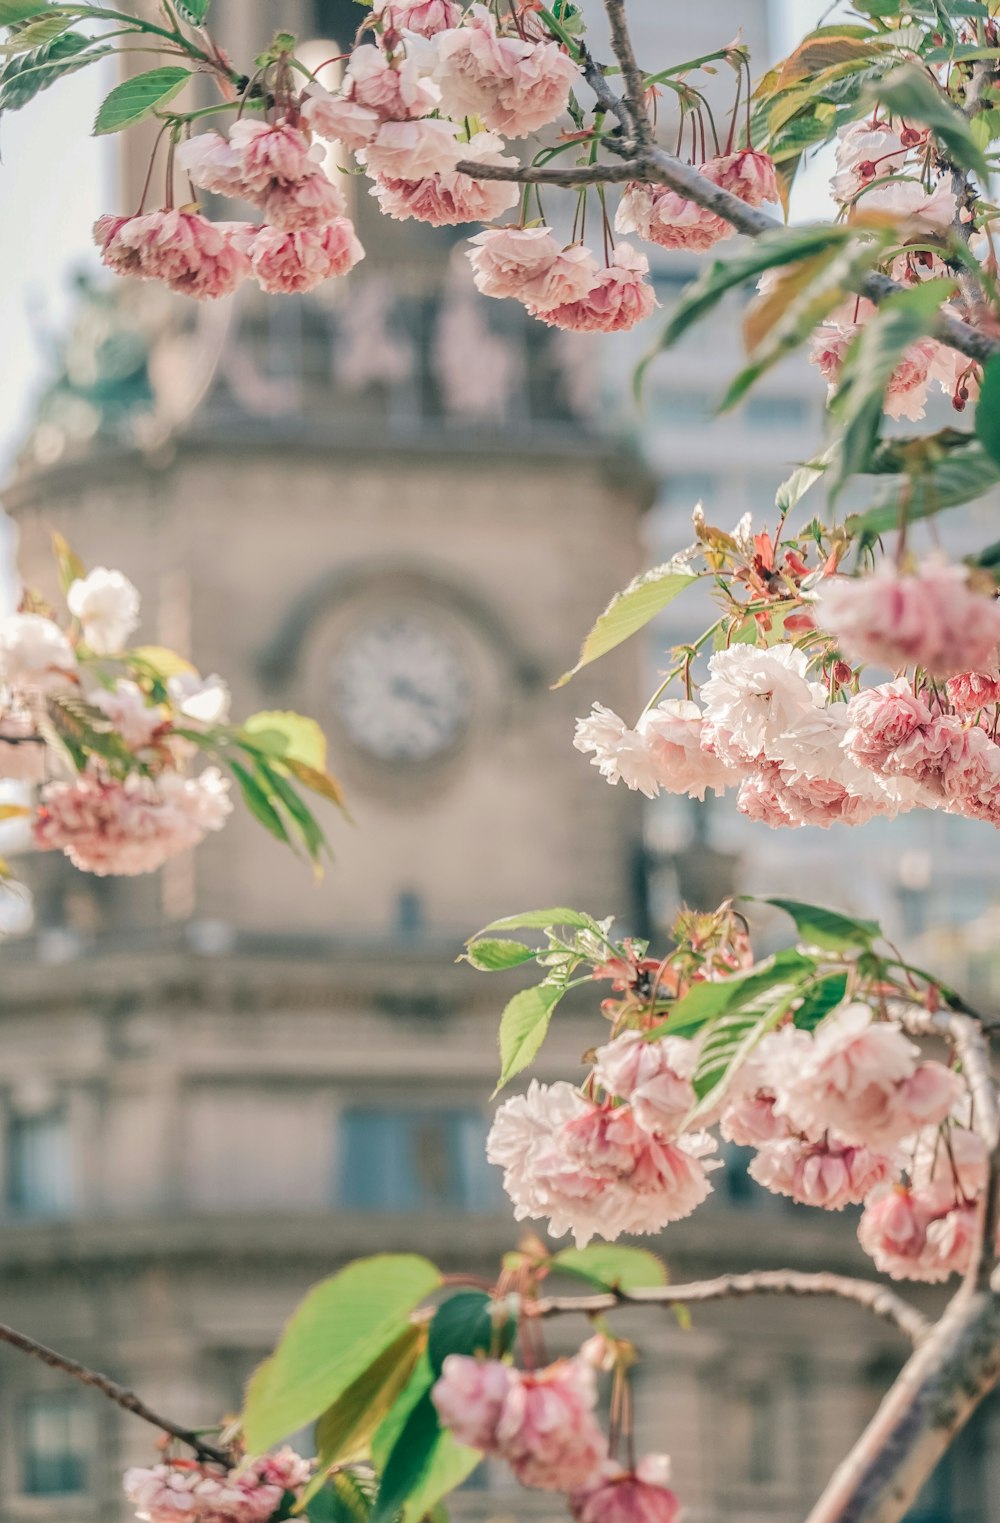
[876,1298]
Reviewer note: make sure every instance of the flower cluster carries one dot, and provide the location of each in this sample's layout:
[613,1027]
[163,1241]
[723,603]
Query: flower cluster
[304,237]
[620,1164]
[107,734]
[846,1111]
[202,1492]
[805,751]
[884,170]
[542,1424]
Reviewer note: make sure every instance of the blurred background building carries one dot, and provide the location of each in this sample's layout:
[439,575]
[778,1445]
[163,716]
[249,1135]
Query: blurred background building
[396,507]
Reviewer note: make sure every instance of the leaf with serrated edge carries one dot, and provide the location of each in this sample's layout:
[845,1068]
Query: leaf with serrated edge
[491,954]
[138,97]
[611,1267]
[540,920]
[524,1026]
[344,1324]
[631,610]
[827,929]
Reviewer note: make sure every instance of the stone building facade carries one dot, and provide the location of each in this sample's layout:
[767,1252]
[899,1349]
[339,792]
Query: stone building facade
[219,1085]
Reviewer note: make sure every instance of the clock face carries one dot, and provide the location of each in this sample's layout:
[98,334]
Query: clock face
[401,689]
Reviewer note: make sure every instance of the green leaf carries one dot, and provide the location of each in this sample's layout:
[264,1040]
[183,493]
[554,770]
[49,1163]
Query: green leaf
[194,11]
[288,736]
[489,954]
[794,488]
[345,1429]
[781,320]
[612,1268]
[37,33]
[138,97]
[959,476]
[732,1038]
[317,781]
[280,791]
[988,410]
[408,1461]
[258,803]
[448,1465]
[707,1001]
[523,1028]
[341,1328]
[24,77]
[540,920]
[165,663]
[344,1499]
[13,11]
[69,565]
[828,929]
[631,610]
[768,252]
[470,1322]
[823,996]
[910,92]
[857,405]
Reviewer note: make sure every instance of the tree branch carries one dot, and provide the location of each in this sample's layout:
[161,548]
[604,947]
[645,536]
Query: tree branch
[954,1368]
[119,1394]
[653,166]
[876,1298]
[635,80]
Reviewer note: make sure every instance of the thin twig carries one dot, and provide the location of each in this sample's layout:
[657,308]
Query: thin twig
[635,80]
[876,1298]
[119,1394]
[653,166]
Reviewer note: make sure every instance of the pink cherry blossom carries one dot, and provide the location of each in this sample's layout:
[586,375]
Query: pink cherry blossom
[616,1495]
[592,1169]
[394,88]
[413,150]
[284,263]
[905,197]
[952,1240]
[547,1431]
[906,393]
[35,654]
[664,751]
[747,174]
[450,198]
[213,164]
[339,119]
[932,618]
[470,1397]
[880,719]
[189,253]
[661,216]
[654,1076]
[514,85]
[970,691]
[754,697]
[423,16]
[827,347]
[271,155]
[865,150]
[309,202]
[828,1174]
[893,1232]
[108,827]
[620,297]
[528,264]
[135,720]
[199,1492]
[861,1076]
